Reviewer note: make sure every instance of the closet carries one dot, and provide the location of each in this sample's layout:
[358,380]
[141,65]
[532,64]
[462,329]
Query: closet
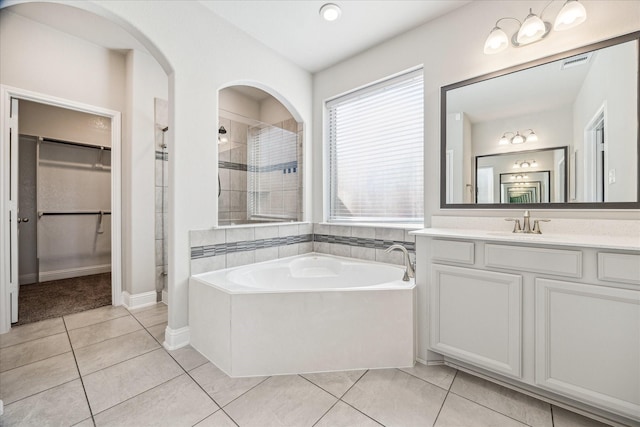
[64,220]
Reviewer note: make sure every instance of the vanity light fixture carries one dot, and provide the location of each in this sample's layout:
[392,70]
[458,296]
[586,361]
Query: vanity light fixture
[330,12]
[222,135]
[525,164]
[534,28]
[518,138]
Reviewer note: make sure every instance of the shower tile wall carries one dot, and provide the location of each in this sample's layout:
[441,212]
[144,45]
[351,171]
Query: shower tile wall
[232,170]
[161,196]
[285,196]
[224,248]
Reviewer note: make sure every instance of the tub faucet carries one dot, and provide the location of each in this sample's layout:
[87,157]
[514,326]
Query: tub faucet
[410,271]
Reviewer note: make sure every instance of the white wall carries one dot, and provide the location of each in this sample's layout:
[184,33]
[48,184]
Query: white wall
[68,125]
[189,52]
[65,66]
[451,49]
[232,101]
[554,129]
[38,58]
[611,80]
[146,80]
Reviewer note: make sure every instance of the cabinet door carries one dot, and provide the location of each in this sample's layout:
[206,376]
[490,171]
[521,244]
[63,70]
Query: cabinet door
[476,317]
[588,344]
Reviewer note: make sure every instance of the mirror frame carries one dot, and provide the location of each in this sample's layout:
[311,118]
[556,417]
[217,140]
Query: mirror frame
[521,67]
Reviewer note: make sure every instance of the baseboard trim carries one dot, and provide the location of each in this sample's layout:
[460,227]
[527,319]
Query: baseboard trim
[46,276]
[165,297]
[176,338]
[28,278]
[140,300]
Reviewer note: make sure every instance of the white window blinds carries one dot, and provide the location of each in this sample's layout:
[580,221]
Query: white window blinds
[273,173]
[376,152]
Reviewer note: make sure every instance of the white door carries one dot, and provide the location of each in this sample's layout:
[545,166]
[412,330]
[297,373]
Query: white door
[13,209]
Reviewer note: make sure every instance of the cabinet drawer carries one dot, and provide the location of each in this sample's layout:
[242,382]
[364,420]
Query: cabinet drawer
[453,251]
[623,268]
[558,262]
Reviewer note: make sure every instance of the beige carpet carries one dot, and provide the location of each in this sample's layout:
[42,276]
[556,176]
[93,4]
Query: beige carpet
[57,298]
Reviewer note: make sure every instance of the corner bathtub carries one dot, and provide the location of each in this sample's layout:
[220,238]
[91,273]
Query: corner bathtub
[308,313]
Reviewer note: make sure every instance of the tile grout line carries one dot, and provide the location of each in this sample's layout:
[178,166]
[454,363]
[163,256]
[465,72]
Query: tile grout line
[350,405]
[435,420]
[220,408]
[75,360]
[39,360]
[326,391]
[427,381]
[489,408]
[34,339]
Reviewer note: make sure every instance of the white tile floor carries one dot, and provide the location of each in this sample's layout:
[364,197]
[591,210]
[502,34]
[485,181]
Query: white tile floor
[107,367]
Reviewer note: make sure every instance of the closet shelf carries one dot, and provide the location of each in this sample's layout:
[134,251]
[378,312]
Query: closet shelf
[77,144]
[43,213]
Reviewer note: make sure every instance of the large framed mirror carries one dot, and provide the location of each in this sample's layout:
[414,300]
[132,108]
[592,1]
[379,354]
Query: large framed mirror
[569,123]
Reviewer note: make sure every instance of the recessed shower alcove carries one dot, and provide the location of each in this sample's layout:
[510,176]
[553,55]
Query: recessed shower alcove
[259,158]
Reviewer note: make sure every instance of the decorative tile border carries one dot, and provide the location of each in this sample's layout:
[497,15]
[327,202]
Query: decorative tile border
[362,242]
[232,166]
[198,252]
[207,251]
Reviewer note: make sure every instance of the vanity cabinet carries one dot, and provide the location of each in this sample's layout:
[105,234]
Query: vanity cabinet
[588,343]
[476,316]
[560,321]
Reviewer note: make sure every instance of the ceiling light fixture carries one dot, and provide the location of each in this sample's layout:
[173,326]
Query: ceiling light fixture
[534,28]
[330,12]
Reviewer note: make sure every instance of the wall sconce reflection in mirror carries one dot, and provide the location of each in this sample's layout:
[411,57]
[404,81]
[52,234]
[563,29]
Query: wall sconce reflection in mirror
[525,164]
[534,28]
[517,138]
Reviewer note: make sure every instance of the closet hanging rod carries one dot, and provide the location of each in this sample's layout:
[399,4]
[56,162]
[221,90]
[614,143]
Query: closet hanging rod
[77,144]
[42,213]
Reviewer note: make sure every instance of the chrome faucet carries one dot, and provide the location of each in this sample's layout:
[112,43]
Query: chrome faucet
[526,224]
[410,271]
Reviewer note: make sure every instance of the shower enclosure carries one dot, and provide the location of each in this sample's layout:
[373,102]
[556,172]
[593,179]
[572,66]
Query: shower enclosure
[161,197]
[260,176]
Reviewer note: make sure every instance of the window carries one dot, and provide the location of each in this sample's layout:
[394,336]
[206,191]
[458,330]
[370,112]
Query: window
[375,153]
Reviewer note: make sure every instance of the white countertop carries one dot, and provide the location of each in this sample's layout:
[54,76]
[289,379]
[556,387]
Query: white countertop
[619,242]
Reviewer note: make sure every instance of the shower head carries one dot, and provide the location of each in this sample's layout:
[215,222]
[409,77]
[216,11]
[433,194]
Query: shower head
[222,135]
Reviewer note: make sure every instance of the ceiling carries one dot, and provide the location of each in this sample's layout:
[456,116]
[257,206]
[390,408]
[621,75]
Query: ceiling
[292,28]
[296,31]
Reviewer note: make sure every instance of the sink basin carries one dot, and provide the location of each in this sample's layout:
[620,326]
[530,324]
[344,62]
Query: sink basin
[516,236]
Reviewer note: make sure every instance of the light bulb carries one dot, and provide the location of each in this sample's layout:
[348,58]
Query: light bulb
[532,137]
[504,140]
[496,42]
[534,164]
[518,139]
[525,164]
[330,12]
[532,29]
[571,15]
[516,165]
